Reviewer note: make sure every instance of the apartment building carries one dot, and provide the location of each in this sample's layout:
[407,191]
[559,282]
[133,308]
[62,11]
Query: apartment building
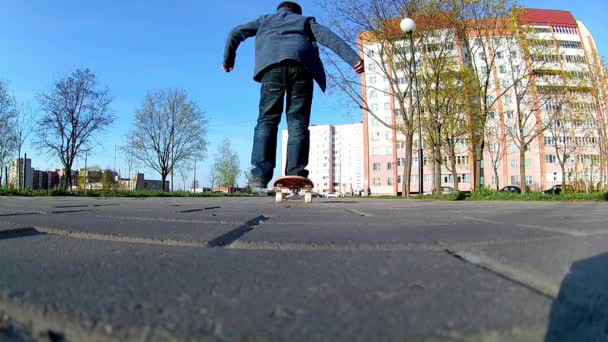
[335,161]
[45,180]
[559,58]
[20,173]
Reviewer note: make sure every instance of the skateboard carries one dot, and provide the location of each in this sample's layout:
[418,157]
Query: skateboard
[294,184]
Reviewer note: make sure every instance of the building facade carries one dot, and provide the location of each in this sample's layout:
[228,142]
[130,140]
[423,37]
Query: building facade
[335,161]
[20,173]
[45,180]
[546,98]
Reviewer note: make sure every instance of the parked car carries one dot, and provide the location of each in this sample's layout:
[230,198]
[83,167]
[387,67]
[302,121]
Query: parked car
[511,188]
[446,190]
[555,190]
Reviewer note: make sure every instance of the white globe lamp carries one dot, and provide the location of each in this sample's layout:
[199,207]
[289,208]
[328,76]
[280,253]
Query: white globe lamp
[408,25]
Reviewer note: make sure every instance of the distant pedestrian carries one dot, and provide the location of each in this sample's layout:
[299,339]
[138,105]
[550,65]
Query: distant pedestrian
[286,62]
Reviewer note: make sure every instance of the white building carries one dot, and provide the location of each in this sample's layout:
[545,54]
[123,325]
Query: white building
[16,172]
[335,161]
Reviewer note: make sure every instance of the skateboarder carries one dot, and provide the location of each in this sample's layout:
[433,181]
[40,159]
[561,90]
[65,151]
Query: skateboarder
[286,62]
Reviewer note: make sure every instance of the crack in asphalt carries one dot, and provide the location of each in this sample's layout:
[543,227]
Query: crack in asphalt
[120,238]
[534,282]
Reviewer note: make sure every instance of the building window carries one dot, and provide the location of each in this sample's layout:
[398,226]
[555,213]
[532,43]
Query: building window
[514,163]
[509,114]
[529,180]
[462,160]
[373,107]
[389,166]
[550,158]
[515,180]
[507,99]
[376,167]
[389,150]
[400,145]
[372,80]
[373,93]
[399,179]
[464,178]
[494,179]
[376,151]
[503,69]
[387,106]
[400,162]
[388,135]
[528,163]
[376,181]
[389,181]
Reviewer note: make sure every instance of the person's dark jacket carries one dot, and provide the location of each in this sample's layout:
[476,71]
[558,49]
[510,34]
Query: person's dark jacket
[287,35]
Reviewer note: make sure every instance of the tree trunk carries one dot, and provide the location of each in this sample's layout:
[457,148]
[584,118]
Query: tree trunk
[163,179]
[478,166]
[563,167]
[437,170]
[454,170]
[67,184]
[497,178]
[602,167]
[522,170]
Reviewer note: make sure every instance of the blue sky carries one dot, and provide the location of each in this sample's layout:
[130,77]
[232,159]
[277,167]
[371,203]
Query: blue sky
[135,46]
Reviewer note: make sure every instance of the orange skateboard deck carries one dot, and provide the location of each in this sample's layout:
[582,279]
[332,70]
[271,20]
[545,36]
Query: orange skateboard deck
[294,184]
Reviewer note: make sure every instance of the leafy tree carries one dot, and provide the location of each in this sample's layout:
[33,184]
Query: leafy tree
[226,165]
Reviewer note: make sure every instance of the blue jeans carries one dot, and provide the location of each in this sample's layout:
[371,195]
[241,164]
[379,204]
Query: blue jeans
[291,83]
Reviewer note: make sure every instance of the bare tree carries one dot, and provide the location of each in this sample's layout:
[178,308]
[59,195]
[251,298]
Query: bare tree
[24,125]
[74,111]
[169,129]
[8,139]
[130,161]
[184,169]
[226,166]
[213,176]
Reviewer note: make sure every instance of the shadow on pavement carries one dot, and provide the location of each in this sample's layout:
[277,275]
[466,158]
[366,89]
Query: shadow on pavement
[18,233]
[580,313]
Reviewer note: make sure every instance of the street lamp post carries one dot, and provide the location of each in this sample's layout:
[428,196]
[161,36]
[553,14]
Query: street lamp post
[409,26]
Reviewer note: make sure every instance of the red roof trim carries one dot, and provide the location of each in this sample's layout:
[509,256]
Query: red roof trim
[549,17]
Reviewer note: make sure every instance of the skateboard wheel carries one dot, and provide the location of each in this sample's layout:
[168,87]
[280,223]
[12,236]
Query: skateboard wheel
[308,197]
[278,197]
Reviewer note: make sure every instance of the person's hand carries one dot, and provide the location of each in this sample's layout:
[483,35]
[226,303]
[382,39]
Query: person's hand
[227,67]
[360,67]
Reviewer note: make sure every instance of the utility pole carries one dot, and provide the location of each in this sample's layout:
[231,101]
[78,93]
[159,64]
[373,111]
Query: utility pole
[24,170]
[86,171]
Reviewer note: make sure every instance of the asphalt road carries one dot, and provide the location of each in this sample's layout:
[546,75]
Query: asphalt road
[247,269]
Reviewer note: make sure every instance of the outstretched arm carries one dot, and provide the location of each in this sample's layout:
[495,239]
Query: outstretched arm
[328,38]
[236,36]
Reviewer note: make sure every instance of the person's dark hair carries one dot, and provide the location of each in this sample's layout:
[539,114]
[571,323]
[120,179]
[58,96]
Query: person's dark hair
[291,5]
